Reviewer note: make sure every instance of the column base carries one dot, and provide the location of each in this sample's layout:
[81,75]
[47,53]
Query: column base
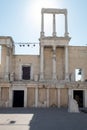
[41,76]
[7,77]
[66,77]
[54,76]
[54,34]
[42,34]
[66,34]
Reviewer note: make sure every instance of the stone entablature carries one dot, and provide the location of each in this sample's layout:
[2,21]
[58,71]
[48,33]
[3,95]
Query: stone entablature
[77,85]
[53,10]
[7,41]
[45,84]
[57,41]
[40,94]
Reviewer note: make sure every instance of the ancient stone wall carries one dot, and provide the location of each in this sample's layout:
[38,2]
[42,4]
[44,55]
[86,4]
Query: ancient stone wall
[30,60]
[77,59]
[48,63]
[60,64]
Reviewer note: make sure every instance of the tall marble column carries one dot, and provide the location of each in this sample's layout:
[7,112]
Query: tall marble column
[54,62]
[36,97]
[66,63]
[42,63]
[42,24]
[54,25]
[66,25]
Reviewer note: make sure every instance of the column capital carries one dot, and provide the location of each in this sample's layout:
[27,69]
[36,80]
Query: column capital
[66,46]
[65,12]
[42,45]
[54,47]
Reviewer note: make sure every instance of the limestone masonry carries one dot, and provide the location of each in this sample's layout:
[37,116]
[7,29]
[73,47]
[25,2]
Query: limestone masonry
[47,80]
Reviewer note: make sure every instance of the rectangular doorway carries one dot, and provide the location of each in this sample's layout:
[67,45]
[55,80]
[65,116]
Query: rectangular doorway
[26,72]
[78,96]
[18,98]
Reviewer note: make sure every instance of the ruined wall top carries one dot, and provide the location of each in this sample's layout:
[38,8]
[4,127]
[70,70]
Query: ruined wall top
[7,41]
[54,12]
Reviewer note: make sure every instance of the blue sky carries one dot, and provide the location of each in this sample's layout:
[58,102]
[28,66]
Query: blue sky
[21,19]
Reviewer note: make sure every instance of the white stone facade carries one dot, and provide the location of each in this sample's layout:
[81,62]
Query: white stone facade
[47,80]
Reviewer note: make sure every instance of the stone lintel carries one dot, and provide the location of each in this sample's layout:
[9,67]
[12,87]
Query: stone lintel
[54,11]
[6,41]
[57,41]
[77,85]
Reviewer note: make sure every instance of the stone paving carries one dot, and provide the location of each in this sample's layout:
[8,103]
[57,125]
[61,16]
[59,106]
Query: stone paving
[41,119]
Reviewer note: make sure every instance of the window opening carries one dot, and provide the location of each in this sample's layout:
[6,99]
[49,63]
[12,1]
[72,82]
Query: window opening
[78,74]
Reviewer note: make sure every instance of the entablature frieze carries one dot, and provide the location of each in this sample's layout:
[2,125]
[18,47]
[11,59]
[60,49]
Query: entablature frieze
[58,41]
[53,11]
[77,85]
[68,85]
[6,41]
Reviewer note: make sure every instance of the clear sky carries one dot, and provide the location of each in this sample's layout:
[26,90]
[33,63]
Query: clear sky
[21,19]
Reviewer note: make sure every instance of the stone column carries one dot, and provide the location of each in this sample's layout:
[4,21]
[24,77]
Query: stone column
[54,25]
[20,72]
[54,62]
[0,93]
[36,96]
[66,63]
[47,97]
[66,24]
[10,96]
[85,98]
[42,63]
[7,68]
[42,24]
[70,92]
[25,97]
[70,95]
[58,97]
